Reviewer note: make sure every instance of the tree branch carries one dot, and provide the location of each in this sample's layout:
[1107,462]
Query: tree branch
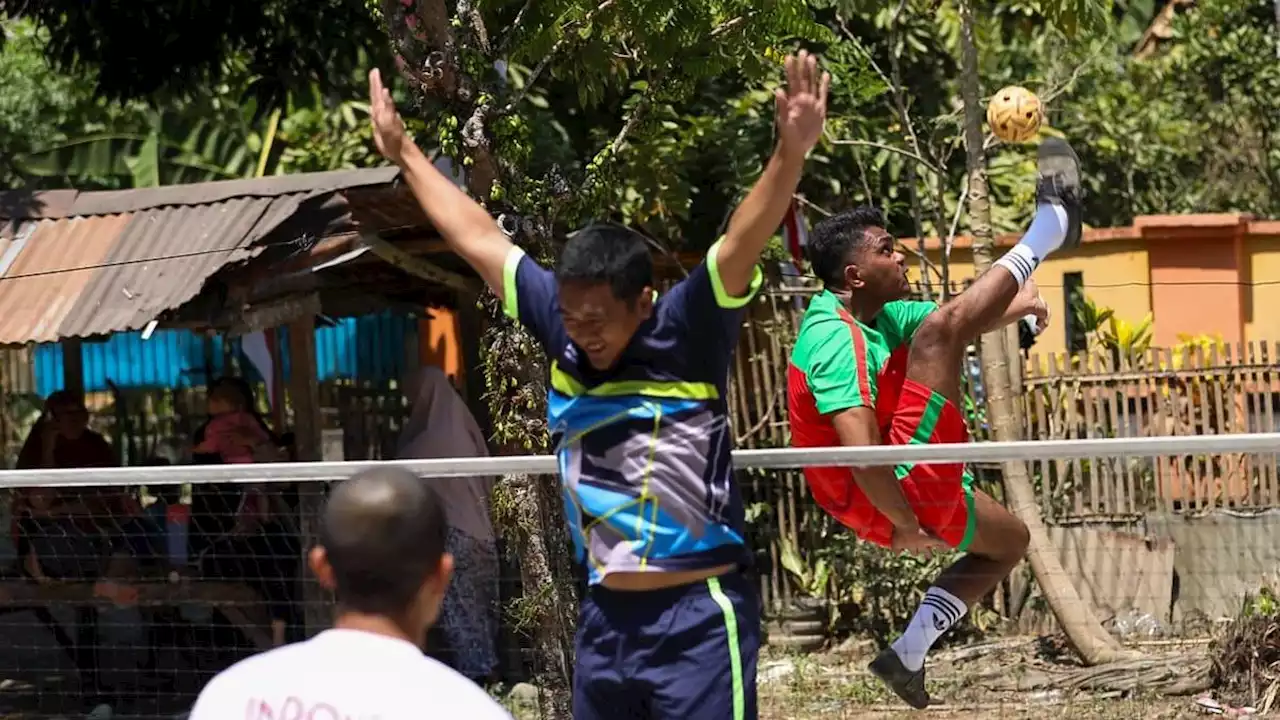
[862,173]
[928,266]
[437,31]
[726,26]
[641,106]
[894,81]
[505,44]
[633,118]
[665,251]
[881,146]
[955,222]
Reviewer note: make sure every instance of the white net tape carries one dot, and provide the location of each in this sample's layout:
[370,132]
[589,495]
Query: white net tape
[988,452]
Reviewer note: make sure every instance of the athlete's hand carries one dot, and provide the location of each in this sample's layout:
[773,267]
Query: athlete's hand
[802,105]
[917,541]
[1030,304]
[388,128]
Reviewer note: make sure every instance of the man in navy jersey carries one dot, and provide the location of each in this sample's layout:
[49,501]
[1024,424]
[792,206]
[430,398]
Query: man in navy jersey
[637,409]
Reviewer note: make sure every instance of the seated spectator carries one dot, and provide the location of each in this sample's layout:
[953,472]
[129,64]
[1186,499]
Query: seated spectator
[245,533]
[68,533]
[234,434]
[232,431]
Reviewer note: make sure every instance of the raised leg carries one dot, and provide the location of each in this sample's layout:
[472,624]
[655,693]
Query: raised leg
[998,539]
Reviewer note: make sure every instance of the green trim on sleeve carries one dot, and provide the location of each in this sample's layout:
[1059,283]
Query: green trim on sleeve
[723,298]
[510,302]
[971,518]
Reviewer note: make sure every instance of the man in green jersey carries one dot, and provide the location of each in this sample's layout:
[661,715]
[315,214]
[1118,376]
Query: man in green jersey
[870,367]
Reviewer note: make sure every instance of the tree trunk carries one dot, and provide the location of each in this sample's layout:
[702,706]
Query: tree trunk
[527,511]
[1084,632]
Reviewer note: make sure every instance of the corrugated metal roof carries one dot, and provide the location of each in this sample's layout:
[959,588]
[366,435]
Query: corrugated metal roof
[55,204]
[81,264]
[162,258]
[41,285]
[85,276]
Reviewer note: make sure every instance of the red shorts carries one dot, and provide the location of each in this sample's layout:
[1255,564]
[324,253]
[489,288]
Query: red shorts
[941,495]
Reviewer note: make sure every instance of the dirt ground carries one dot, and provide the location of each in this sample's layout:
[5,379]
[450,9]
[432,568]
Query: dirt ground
[971,682]
[1001,679]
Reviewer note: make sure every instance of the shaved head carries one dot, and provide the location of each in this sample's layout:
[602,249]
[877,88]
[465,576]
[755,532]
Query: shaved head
[383,532]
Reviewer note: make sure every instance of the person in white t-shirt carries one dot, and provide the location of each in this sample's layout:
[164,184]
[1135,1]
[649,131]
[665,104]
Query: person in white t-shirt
[382,551]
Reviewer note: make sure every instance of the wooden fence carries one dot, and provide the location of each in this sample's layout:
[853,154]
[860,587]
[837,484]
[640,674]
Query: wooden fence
[778,504]
[1200,389]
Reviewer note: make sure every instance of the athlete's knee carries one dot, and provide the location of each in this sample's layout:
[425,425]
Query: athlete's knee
[938,334]
[1019,538]
[1011,540]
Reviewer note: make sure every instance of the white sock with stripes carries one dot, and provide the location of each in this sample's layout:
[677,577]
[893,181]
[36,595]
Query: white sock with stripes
[938,612]
[1047,231]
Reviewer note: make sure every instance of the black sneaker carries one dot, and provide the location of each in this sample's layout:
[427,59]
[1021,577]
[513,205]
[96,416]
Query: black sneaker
[1059,184]
[907,684]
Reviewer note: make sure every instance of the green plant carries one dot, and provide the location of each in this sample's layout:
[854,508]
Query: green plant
[1264,603]
[1127,342]
[811,573]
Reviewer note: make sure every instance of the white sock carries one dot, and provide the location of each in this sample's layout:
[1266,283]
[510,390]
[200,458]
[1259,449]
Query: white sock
[1047,231]
[938,612]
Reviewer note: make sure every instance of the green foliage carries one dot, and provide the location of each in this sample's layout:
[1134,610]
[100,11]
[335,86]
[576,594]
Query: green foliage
[1263,604]
[1246,652]
[657,113]
[217,133]
[40,106]
[1192,127]
[172,47]
[1126,341]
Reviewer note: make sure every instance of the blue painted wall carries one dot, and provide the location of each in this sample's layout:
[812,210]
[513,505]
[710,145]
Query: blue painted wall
[369,348]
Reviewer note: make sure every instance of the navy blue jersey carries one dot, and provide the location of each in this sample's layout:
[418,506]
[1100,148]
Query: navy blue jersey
[644,447]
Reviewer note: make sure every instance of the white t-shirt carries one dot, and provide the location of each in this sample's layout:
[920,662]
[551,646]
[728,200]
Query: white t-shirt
[343,675]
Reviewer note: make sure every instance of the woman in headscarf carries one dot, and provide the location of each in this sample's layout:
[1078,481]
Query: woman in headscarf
[441,426]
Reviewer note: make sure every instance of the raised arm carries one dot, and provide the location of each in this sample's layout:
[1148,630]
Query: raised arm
[802,110]
[464,224]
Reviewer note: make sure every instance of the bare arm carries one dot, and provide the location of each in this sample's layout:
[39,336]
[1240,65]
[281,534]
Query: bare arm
[857,428]
[802,109]
[462,222]
[1026,302]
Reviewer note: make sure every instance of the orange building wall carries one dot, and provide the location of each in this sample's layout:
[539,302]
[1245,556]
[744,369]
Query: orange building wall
[1212,274]
[1196,288]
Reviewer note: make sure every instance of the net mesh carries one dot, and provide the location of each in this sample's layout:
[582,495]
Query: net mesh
[134,597]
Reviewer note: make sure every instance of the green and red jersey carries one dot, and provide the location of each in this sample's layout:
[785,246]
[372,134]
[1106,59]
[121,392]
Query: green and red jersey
[840,363]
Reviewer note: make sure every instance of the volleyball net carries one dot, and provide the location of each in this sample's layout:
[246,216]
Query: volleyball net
[131,587]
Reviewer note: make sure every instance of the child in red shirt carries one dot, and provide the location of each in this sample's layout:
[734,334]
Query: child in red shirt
[233,433]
